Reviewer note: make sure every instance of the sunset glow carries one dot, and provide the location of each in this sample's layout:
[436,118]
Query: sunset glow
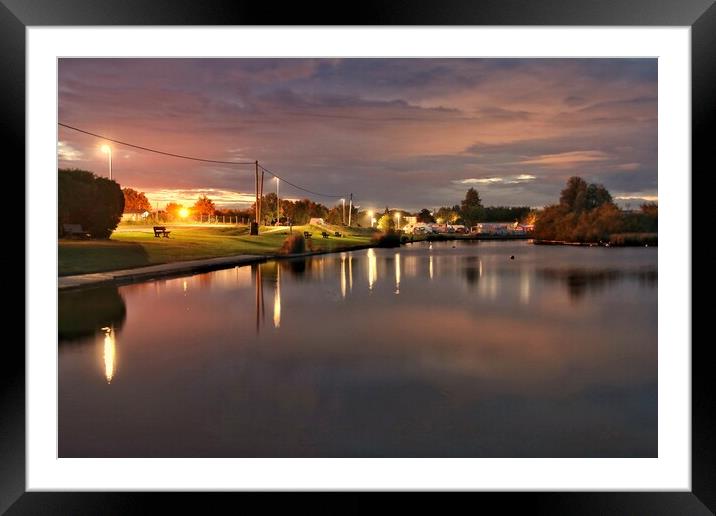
[399,132]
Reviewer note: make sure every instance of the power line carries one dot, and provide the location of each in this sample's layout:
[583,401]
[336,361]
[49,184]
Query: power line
[274,174]
[192,158]
[155,150]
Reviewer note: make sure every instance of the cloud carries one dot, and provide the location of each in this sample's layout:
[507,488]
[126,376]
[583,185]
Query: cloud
[188,196]
[481,181]
[521,178]
[628,166]
[567,159]
[67,152]
[401,132]
[650,198]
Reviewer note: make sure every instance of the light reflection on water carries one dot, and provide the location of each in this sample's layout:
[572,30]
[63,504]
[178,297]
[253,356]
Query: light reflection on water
[550,354]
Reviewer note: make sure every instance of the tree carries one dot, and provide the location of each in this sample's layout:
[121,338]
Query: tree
[135,202]
[425,216]
[94,202]
[172,209]
[386,223]
[204,206]
[585,213]
[447,215]
[471,207]
[597,196]
[574,195]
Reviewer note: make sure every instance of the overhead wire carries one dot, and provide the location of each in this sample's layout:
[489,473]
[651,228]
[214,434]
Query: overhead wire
[193,158]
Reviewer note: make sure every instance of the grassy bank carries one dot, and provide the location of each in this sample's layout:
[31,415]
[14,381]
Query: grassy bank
[136,246]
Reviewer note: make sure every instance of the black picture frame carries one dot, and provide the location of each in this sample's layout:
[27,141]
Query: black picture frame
[700,15]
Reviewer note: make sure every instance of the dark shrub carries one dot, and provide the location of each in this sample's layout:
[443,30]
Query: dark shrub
[94,202]
[387,239]
[294,244]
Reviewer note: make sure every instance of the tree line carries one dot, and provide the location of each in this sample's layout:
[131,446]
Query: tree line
[587,213]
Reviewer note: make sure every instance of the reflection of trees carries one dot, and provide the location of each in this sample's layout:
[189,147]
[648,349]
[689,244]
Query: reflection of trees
[83,313]
[296,266]
[472,270]
[581,281]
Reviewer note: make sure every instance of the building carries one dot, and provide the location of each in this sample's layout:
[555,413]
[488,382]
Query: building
[493,228]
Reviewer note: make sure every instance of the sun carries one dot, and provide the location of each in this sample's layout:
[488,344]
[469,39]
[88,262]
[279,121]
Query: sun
[183,213]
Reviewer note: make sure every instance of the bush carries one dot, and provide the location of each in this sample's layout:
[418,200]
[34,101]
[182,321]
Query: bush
[294,244]
[387,239]
[94,202]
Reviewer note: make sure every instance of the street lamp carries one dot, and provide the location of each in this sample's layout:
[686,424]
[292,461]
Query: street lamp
[343,216]
[397,218]
[108,150]
[278,204]
[370,217]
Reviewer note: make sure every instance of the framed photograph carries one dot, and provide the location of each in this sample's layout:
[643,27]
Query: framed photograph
[416,249]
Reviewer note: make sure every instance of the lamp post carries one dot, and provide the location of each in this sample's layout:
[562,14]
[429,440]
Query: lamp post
[278,204]
[370,217]
[397,219]
[108,150]
[343,216]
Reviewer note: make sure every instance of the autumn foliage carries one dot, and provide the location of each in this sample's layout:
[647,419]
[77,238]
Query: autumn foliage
[586,213]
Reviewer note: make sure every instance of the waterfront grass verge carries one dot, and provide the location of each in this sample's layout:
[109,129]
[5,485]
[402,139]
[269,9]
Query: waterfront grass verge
[136,246]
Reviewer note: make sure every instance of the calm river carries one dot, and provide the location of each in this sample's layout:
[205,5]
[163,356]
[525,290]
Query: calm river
[431,350]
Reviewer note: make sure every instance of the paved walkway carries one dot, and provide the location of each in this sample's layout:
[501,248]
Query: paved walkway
[156,271]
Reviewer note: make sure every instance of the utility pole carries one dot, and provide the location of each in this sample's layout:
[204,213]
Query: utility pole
[261,193]
[255,225]
[350,210]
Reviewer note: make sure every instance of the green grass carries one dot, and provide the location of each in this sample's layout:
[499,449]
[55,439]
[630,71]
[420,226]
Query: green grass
[135,246]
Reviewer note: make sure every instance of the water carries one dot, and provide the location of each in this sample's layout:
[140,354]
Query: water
[431,350]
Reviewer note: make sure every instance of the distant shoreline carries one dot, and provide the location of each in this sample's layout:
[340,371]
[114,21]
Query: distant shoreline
[618,242]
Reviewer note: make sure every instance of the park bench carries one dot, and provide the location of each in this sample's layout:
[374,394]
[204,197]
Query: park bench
[325,234]
[75,231]
[337,233]
[306,234]
[161,231]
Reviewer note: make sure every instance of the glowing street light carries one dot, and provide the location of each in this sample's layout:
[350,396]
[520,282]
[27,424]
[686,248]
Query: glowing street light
[370,216]
[397,219]
[278,204]
[108,150]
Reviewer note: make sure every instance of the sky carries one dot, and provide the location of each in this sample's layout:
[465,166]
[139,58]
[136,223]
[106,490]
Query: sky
[403,133]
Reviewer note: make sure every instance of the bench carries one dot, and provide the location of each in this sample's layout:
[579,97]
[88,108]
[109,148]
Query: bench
[337,233]
[75,231]
[161,231]
[306,234]
[325,234]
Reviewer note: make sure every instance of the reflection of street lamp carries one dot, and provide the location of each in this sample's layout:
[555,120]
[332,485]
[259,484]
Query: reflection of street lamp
[108,150]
